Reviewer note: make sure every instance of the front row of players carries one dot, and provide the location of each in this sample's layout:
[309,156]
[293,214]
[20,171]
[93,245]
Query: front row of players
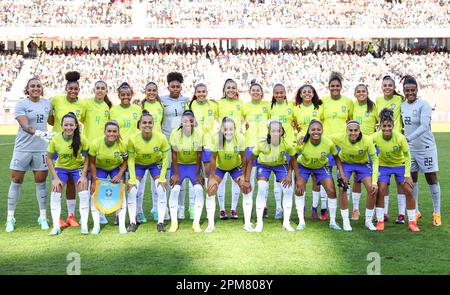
[292,166]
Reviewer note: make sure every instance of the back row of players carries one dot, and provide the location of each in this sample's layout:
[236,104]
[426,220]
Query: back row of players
[204,140]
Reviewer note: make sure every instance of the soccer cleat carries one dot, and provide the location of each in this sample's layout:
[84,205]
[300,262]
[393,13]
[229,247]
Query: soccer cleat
[288,227]
[62,223]
[334,226]
[103,219]
[234,214]
[72,220]
[400,219]
[266,212]
[55,231]
[418,216]
[380,225]
[386,217]
[437,219]
[412,226]
[160,228]
[154,214]
[323,214]
[140,218]
[210,228]
[196,227]
[249,227]
[370,226]
[116,220]
[355,214]
[173,227]
[314,213]
[191,213]
[223,214]
[181,213]
[346,226]
[300,226]
[84,231]
[43,223]
[132,227]
[258,227]
[122,230]
[279,213]
[10,225]
[95,230]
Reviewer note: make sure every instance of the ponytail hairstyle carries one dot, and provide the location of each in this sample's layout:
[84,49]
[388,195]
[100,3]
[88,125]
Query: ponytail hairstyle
[157,95]
[387,77]
[274,101]
[25,91]
[187,113]
[225,84]
[254,83]
[106,99]
[175,76]
[359,126]
[76,140]
[113,123]
[194,97]
[307,135]
[145,113]
[269,139]
[387,114]
[222,134]
[125,86]
[335,76]
[72,77]
[316,101]
[370,103]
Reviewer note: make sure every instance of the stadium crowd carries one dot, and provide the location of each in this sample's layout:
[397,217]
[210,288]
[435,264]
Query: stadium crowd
[10,65]
[233,13]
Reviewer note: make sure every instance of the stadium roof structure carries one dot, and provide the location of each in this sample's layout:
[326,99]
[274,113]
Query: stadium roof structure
[270,32]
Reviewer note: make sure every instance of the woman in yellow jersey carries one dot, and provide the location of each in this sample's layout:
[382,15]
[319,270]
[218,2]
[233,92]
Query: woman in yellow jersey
[62,105]
[187,143]
[366,114]
[308,108]
[281,110]
[108,157]
[272,153]
[96,114]
[358,156]
[228,155]
[256,114]
[148,150]
[230,106]
[126,114]
[395,159]
[71,147]
[313,159]
[393,100]
[152,104]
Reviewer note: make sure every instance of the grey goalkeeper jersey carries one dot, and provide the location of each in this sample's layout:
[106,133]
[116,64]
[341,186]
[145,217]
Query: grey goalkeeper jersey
[173,109]
[416,118]
[37,114]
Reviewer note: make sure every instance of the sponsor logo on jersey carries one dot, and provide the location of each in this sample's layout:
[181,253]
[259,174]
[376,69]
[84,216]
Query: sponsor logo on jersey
[395,148]
[323,154]
[135,116]
[116,154]
[360,152]
[155,149]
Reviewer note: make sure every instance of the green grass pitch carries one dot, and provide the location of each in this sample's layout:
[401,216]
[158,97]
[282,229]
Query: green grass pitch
[228,250]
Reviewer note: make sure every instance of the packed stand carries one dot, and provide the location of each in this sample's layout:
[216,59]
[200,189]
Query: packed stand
[10,65]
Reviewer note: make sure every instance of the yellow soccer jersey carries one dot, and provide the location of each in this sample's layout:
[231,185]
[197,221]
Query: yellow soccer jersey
[303,115]
[232,108]
[63,147]
[316,156]
[206,115]
[228,156]
[148,152]
[95,117]
[186,146]
[107,157]
[394,104]
[127,118]
[256,115]
[273,155]
[393,152]
[284,113]
[61,106]
[157,111]
[336,113]
[366,120]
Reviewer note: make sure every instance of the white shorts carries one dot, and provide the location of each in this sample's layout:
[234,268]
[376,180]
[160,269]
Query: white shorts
[425,162]
[25,161]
